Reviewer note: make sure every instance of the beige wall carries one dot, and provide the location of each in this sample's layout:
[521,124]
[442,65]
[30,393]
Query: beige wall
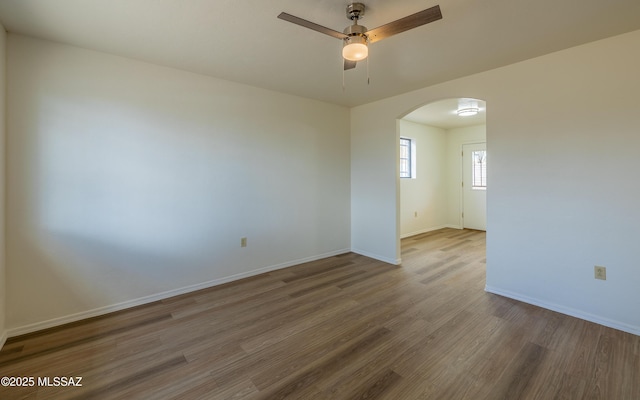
[131,182]
[128,181]
[562,198]
[426,194]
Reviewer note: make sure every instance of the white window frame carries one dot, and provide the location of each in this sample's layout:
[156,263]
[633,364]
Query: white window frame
[411,159]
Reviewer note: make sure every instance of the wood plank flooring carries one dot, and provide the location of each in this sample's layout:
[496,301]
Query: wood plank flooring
[345,327]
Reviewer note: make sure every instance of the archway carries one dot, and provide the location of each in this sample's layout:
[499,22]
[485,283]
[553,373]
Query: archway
[430,181]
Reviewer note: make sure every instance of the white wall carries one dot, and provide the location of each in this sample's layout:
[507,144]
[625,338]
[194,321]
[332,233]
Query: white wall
[3,285]
[456,137]
[425,195]
[563,198]
[375,211]
[129,182]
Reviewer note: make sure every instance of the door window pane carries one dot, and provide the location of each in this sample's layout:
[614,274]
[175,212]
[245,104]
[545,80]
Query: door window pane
[479,173]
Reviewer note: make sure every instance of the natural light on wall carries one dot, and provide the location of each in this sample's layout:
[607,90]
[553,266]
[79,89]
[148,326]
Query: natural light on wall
[130,192]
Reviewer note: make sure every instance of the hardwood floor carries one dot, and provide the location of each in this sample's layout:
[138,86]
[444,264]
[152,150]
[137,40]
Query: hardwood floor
[346,327]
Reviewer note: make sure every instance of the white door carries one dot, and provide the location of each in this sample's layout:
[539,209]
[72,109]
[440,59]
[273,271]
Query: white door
[474,186]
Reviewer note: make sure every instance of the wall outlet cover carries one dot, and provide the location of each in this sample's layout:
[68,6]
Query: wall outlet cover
[600,272]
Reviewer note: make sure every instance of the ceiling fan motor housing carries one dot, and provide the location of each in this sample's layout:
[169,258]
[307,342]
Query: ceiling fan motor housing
[355,33]
[355,30]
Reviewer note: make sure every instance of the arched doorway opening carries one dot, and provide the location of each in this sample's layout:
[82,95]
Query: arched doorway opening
[440,185]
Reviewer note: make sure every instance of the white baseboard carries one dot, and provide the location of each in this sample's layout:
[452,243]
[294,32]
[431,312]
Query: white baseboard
[621,326]
[420,232]
[398,261]
[3,338]
[159,296]
[377,257]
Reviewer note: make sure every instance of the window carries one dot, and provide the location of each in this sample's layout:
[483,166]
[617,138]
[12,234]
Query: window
[479,173]
[406,158]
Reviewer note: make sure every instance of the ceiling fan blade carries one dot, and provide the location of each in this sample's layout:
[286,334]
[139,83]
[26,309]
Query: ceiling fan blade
[348,64]
[404,24]
[311,25]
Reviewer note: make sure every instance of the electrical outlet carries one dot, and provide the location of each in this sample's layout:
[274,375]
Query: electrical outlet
[600,272]
[243,242]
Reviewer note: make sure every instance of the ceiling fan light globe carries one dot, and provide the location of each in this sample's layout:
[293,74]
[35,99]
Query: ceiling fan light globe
[355,51]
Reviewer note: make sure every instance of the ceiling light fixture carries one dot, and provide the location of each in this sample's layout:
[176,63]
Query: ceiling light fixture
[356,43]
[467,112]
[467,108]
[355,48]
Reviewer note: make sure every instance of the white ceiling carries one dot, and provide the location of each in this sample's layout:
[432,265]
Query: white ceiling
[243,41]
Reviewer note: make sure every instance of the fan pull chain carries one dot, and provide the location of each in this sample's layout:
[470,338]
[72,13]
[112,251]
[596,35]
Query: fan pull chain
[367,70]
[343,79]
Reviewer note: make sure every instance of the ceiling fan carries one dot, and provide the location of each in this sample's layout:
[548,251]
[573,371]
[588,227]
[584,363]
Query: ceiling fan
[356,37]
